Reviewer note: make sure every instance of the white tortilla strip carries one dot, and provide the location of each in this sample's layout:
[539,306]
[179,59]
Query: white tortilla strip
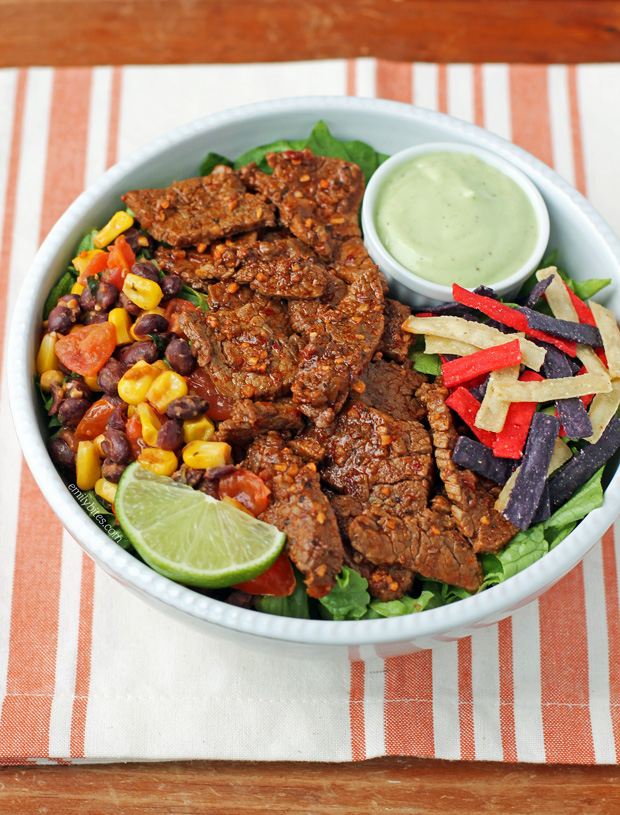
[561,454]
[602,408]
[549,390]
[502,499]
[478,334]
[591,361]
[442,345]
[607,325]
[557,297]
[493,409]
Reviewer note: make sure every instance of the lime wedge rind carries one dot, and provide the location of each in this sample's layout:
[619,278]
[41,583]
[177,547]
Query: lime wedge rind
[189,536]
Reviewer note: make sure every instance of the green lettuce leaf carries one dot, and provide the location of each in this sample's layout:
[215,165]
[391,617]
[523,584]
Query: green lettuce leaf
[62,287]
[587,498]
[196,298]
[349,598]
[396,608]
[295,605]
[211,161]
[87,242]
[429,364]
[524,549]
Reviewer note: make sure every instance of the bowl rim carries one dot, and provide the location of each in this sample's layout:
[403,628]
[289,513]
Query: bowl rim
[476,611]
[392,267]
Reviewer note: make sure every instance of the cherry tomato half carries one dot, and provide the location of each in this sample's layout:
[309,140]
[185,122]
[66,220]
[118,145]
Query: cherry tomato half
[120,261]
[277,581]
[200,383]
[87,348]
[95,267]
[133,429]
[95,420]
[247,488]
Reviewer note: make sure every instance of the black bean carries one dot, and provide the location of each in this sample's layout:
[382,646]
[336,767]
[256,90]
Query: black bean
[107,295]
[113,399]
[129,305]
[186,407]
[92,317]
[112,470]
[61,453]
[63,369]
[188,475]
[118,418]
[116,446]
[179,356]
[130,354]
[59,320]
[215,473]
[146,269]
[58,394]
[170,436]
[71,411]
[110,375]
[132,236]
[171,285]
[87,300]
[76,388]
[150,324]
[72,302]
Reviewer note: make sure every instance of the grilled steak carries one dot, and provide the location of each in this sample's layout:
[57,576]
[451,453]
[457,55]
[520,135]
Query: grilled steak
[250,419]
[391,388]
[395,343]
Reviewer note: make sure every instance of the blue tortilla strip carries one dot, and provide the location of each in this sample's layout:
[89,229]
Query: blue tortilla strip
[448,310]
[543,512]
[563,329]
[487,291]
[479,391]
[505,329]
[582,466]
[572,413]
[532,476]
[474,456]
[537,292]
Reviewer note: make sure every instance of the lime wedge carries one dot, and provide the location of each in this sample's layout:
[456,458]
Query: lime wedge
[189,536]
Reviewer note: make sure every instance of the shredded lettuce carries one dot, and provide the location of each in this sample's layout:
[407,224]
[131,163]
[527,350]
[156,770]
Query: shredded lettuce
[87,244]
[295,605]
[349,598]
[62,287]
[196,298]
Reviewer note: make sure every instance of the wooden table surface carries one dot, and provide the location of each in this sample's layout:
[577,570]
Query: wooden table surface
[86,32]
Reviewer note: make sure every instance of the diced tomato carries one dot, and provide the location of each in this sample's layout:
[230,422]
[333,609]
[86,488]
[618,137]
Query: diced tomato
[175,307]
[200,383]
[120,260]
[87,348]
[95,420]
[277,581]
[247,488]
[94,268]
[133,429]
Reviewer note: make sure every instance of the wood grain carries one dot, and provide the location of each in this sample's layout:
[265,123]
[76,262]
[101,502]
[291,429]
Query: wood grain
[86,32]
[402,785]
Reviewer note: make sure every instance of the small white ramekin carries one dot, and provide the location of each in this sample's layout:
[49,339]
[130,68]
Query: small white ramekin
[406,285]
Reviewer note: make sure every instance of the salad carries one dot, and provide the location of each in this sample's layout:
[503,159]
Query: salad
[232,394]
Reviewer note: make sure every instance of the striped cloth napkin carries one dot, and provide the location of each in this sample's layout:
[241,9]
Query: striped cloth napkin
[89,672]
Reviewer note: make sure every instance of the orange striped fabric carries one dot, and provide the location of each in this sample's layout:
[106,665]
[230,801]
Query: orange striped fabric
[90,673]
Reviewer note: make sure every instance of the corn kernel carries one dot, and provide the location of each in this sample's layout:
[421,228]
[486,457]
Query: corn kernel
[135,383]
[199,429]
[46,358]
[227,499]
[83,259]
[202,455]
[77,288]
[169,385]
[98,441]
[158,461]
[150,423]
[92,383]
[118,223]
[121,321]
[105,489]
[145,294]
[87,465]
[157,310]
[47,377]
[161,365]
[131,409]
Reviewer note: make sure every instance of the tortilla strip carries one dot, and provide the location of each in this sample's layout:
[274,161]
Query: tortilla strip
[494,409]
[591,361]
[602,409]
[608,328]
[551,389]
[442,345]
[502,498]
[478,334]
[561,454]
[557,297]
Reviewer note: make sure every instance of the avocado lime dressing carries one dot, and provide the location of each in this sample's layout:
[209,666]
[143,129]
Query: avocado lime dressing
[452,218]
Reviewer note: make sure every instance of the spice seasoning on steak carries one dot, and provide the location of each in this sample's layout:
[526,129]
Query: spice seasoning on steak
[250,419]
[395,343]
[391,388]
[200,210]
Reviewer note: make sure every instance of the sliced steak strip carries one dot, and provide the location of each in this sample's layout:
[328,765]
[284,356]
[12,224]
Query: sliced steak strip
[229,296]
[391,388]
[305,314]
[395,343]
[282,267]
[427,543]
[300,509]
[340,346]
[251,419]
[200,210]
[472,504]
[318,198]
[249,352]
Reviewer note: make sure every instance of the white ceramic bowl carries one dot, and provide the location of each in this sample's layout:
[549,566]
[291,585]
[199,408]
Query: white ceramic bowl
[586,244]
[408,286]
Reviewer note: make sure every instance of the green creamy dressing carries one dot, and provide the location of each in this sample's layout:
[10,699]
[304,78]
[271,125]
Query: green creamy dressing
[453,218]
